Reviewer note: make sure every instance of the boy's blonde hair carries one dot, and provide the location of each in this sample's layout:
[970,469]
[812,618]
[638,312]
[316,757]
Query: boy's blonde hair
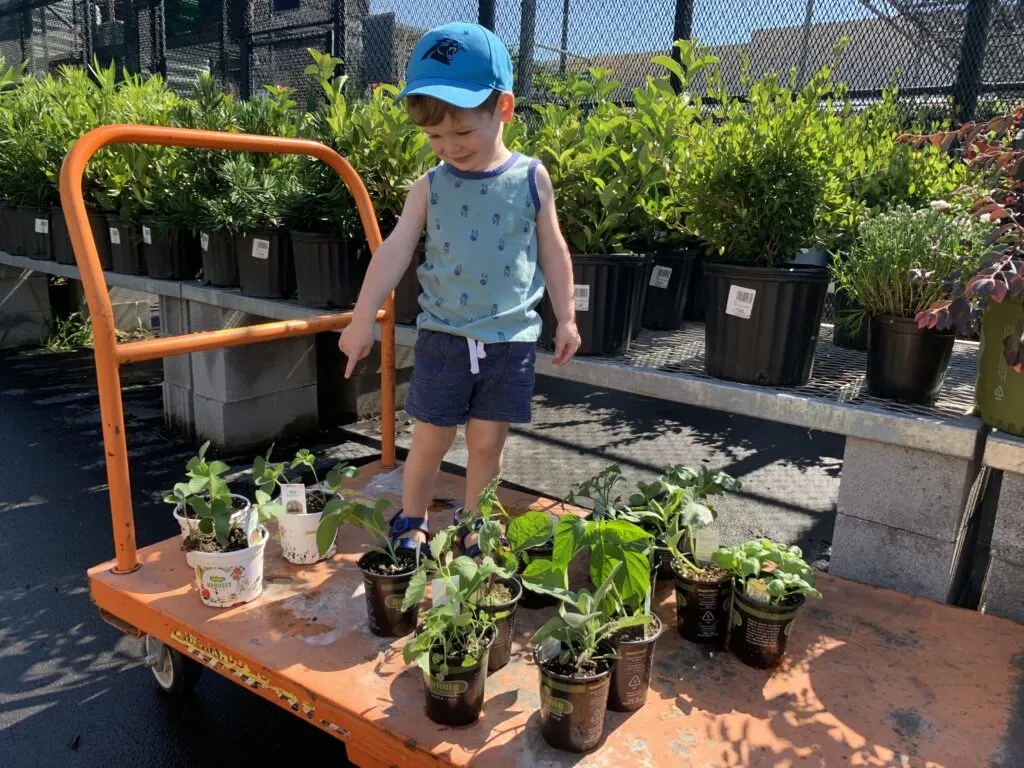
[427,111]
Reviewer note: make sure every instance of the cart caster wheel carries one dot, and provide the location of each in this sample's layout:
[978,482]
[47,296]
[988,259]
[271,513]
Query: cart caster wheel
[175,673]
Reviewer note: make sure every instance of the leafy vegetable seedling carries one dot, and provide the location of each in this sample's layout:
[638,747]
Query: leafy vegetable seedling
[269,476]
[206,497]
[781,570]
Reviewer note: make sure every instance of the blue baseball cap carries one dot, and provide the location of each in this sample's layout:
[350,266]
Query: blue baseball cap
[461,64]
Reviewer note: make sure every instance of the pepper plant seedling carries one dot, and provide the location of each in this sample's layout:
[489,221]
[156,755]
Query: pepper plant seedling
[781,569]
[363,514]
[269,476]
[531,529]
[206,494]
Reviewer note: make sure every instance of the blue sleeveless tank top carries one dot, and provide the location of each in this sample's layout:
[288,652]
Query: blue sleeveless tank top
[480,278]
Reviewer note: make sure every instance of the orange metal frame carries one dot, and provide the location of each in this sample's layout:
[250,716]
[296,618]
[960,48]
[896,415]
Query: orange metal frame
[110,355]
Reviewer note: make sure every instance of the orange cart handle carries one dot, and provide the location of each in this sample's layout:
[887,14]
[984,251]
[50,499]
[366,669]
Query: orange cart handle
[110,356]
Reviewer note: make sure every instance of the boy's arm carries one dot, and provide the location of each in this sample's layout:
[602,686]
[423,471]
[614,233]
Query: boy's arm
[556,266]
[383,273]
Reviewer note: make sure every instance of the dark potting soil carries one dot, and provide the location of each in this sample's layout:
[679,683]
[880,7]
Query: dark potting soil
[712,574]
[207,542]
[497,595]
[632,634]
[317,500]
[382,565]
[589,669]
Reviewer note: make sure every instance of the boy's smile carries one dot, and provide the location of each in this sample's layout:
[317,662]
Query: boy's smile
[471,140]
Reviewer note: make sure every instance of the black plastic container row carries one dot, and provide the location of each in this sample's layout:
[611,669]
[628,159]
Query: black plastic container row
[906,362]
[168,256]
[265,264]
[220,264]
[667,290]
[328,272]
[63,253]
[125,253]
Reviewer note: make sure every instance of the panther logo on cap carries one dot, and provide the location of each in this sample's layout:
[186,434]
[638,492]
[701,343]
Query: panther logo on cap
[444,50]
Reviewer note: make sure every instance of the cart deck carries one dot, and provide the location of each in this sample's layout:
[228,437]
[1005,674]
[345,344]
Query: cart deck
[873,675]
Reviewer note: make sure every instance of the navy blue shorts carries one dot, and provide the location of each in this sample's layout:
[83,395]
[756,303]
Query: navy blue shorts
[444,392]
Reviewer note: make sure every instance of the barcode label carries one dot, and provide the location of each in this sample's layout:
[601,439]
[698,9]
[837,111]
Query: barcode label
[581,295]
[147,235]
[741,302]
[260,249]
[660,277]
[204,241]
[42,226]
[115,236]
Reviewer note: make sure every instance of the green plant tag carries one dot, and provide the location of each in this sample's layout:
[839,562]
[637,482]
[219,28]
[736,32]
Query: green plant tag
[293,496]
[758,592]
[705,542]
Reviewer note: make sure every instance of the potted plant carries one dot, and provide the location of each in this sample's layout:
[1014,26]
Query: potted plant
[893,271]
[770,584]
[752,188]
[993,293]
[387,569]
[205,481]
[452,643]
[299,507]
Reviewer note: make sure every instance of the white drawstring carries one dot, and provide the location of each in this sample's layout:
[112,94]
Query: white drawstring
[476,354]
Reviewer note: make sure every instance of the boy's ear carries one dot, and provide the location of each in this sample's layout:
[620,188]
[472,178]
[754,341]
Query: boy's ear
[506,106]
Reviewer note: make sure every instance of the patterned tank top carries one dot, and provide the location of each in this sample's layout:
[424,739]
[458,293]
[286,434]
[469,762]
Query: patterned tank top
[480,278]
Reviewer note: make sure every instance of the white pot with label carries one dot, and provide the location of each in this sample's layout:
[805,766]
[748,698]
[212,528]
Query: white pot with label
[225,579]
[298,534]
[245,518]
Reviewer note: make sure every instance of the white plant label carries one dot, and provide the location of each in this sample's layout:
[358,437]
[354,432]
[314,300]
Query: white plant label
[705,543]
[758,592]
[293,496]
[660,277]
[204,241]
[439,592]
[147,235]
[581,295]
[115,236]
[260,249]
[42,226]
[741,302]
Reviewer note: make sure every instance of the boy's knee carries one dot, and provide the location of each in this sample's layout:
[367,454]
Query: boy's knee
[486,438]
[433,439]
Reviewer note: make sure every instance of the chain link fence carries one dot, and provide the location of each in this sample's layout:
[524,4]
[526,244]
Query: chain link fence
[940,53]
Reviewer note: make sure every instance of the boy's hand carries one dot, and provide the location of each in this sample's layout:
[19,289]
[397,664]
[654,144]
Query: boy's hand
[356,342]
[567,341]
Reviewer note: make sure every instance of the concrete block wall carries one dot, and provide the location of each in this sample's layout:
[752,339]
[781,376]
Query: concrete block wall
[131,308]
[25,310]
[1003,589]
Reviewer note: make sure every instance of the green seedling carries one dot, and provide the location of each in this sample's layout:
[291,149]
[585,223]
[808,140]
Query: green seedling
[268,477]
[206,494]
[363,514]
[781,569]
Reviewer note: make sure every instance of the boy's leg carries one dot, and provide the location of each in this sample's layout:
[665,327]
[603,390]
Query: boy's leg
[485,441]
[429,446]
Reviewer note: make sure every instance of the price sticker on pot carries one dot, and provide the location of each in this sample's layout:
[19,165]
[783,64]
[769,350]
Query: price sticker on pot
[115,236]
[260,249]
[204,241]
[757,592]
[660,277]
[741,301]
[42,226]
[439,592]
[581,295]
[705,542]
[293,496]
[147,235]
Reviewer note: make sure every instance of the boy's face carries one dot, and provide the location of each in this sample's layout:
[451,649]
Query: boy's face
[469,139]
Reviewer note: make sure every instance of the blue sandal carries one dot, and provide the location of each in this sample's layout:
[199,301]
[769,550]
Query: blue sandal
[464,530]
[400,525]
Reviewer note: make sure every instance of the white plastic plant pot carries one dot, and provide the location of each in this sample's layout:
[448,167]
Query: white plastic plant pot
[225,579]
[298,537]
[245,518]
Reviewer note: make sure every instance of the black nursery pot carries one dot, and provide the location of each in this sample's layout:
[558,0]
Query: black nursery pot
[606,287]
[535,601]
[60,240]
[640,295]
[64,252]
[631,675]
[843,335]
[504,615]
[759,632]
[328,273]
[763,322]
[220,263]
[458,698]
[906,362]
[668,290]
[702,608]
[35,232]
[168,257]
[265,268]
[384,596]
[693,309]
[125,254]
[572,708]
[8,226]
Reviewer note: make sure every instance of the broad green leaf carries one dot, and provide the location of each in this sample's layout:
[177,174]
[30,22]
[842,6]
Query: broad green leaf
[327,530]
[531,529]
[416,589]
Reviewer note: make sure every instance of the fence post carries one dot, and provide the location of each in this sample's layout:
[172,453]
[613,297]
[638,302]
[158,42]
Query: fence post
[486,14]
[969,71]
[88,48]
[25,25]
[158,18]
[681,30]
[245,51]
[527,34]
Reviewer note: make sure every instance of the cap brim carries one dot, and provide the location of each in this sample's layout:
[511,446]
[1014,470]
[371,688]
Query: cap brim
[463,95]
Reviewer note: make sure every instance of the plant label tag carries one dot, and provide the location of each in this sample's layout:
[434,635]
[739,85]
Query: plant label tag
[260,249]
[581,295]
[204,241]
[293,496]
[741,301]
[758,592]
[42,226]
[147,235]
[550,649]
[705,542]
[115,236]
[660,277]
[439,592]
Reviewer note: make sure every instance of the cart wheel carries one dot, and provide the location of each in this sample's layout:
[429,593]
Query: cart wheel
[174,672]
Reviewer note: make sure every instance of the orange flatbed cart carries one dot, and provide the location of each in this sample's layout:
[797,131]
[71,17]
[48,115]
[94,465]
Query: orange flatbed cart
[873,677]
